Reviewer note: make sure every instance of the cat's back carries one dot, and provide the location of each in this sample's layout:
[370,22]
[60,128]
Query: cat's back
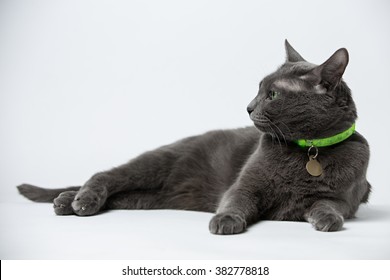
[215,142]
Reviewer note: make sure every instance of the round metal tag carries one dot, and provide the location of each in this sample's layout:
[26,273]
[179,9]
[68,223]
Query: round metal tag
[313,167]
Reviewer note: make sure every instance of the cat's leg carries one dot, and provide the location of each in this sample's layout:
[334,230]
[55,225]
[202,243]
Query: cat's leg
[328,215]
[151,199]
[237,209]
[146,172]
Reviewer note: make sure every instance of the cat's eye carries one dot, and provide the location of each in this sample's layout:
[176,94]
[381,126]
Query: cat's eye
[272,94]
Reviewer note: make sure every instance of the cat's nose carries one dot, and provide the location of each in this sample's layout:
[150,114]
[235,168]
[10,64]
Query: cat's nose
[249,109]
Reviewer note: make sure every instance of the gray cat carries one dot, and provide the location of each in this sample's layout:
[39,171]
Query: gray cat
[302,160]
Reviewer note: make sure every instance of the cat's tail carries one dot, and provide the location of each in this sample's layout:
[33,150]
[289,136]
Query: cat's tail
[38,194]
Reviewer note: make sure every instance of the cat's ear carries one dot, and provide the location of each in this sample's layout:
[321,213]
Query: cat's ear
[329,73]
[291,54]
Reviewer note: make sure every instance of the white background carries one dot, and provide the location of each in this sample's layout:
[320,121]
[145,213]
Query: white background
[86,85]
[301,270]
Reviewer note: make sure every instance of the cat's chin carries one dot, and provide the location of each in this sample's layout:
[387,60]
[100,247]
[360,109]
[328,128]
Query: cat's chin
[263,127]
[268,130]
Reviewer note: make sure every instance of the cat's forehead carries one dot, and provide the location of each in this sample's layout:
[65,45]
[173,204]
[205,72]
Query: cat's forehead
[295,68]
[291,70]
[286,84]
[288,76]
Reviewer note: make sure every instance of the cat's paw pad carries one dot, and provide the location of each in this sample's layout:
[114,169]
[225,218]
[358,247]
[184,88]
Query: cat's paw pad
[227,224]
[63,203]
[87,203]
[326,221]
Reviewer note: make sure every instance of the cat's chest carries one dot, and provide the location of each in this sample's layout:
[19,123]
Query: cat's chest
[292,172]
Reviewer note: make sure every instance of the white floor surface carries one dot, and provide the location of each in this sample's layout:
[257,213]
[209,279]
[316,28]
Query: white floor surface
[32,231]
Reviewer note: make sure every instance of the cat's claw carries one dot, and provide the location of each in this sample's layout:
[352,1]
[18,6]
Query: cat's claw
[88,202]
[326,221]
[227,224]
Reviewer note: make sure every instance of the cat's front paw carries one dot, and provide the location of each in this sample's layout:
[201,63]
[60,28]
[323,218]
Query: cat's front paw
[227,224]
[63,203]
[88,202]
[326,220]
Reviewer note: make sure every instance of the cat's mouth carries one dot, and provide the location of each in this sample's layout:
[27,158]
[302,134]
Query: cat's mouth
[261,122]
[264,124]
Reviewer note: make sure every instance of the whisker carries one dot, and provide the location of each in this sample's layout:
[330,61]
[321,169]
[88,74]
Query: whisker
[289,131]
[272,136]
[275,134]
[281,132]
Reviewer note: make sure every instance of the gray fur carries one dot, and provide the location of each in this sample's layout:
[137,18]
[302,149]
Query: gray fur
[249,174]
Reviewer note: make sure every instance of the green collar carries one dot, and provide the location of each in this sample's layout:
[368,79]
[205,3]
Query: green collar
[329,141]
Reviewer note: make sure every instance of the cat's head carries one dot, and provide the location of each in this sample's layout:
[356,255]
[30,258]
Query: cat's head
[301,100]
